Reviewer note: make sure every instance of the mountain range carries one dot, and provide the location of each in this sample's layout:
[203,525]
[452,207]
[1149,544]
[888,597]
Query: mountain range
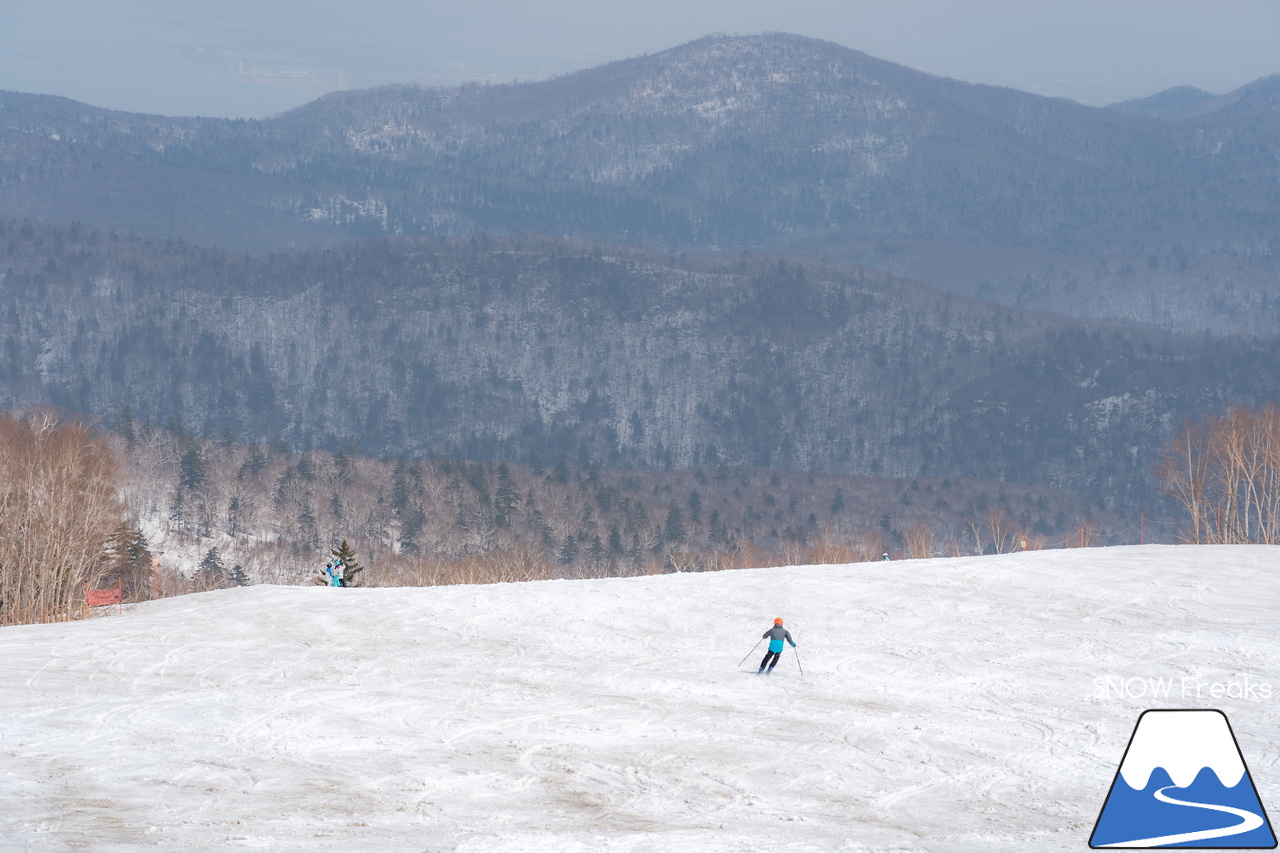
[765,250]
[771,142]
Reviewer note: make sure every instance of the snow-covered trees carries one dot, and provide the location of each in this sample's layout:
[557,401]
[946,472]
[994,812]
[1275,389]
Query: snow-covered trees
[506,349]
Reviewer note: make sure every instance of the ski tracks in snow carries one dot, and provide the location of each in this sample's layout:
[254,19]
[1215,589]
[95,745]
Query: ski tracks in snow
[946,706]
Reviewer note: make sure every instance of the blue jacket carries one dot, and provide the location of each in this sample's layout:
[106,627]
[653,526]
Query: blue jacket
[776,635]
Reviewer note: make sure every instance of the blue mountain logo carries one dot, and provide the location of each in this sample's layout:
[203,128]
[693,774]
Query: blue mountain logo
[1183,783]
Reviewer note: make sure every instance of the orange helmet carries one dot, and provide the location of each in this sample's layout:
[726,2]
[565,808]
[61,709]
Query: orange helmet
[778,621]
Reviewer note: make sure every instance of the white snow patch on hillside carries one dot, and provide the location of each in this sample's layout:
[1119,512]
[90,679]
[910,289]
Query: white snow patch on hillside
[946,705]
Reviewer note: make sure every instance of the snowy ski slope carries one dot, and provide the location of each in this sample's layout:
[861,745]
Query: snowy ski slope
[946,705]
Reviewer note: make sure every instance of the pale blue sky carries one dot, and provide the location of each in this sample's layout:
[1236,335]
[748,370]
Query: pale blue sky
[242,58]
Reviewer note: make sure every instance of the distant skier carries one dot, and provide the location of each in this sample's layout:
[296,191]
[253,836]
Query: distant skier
[334,571]
[775,636]
[886,556]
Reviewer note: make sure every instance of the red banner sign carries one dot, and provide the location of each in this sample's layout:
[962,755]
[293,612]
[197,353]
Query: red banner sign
[100,597]
[103,597]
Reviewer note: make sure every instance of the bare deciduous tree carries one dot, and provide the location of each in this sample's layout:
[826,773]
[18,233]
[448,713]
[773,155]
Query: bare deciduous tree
[919,541]
[59,509]
[1225,471]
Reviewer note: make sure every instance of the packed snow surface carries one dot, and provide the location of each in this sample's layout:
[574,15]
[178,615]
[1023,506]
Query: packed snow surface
[979,704]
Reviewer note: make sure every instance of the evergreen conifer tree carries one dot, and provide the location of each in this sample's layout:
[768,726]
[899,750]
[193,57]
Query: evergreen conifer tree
[212,574]
[308,528]
[674,530]
[191,473]
[254,463]
[400,486]
[568,551]
[350,567]
[411,529]
[129,555]
[123,426]
[508,498]
[177,513]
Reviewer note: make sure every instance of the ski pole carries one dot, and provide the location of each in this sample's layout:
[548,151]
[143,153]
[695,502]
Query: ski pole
[752,652]
[798,659]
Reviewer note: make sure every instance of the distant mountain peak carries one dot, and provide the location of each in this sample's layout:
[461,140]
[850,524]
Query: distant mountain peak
[1176,103]
[1188,102]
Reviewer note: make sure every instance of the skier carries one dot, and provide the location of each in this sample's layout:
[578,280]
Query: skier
[775,636]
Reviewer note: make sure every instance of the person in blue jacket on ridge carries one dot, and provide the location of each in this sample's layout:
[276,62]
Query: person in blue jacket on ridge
[775,636]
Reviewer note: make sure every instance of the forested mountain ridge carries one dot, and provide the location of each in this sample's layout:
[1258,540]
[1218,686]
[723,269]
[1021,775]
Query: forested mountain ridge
[773,141]
[1255,100]
[484,348]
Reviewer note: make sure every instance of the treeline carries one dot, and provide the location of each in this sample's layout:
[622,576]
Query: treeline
[1225,472]
[63,525]
[164,511]
[277,514]
[160,510]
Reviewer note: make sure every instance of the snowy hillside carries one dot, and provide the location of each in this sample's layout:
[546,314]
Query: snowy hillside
[945,705]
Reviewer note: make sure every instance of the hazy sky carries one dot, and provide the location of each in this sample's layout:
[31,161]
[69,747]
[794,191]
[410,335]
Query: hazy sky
[243,58]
